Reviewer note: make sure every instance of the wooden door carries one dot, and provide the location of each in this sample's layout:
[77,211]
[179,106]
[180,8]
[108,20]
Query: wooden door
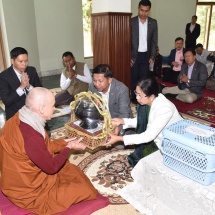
[111,43]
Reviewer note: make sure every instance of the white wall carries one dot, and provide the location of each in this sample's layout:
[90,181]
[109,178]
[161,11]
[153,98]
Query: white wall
[59,29]
[134,6]
[172,17]
[47,28]
[99,6]
[20,28]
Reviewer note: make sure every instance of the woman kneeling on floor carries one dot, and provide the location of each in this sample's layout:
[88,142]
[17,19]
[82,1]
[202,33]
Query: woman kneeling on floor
[162,114]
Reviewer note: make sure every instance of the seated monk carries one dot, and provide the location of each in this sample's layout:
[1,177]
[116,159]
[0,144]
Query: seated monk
[35,172]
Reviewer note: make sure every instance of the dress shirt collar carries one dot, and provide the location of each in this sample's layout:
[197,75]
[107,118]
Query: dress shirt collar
[191,65]
[18,74]
[146,21]
[179,51]
[107,93]
[190,71]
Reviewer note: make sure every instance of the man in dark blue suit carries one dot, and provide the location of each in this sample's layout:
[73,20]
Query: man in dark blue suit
[144,39]
[192,32]
[16,81]
[176,59]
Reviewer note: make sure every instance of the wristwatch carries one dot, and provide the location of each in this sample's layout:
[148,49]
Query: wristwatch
[188,81]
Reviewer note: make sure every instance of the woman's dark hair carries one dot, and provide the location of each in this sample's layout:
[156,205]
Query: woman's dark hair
[14,53]
[103,69]
[149,86]
[65,54]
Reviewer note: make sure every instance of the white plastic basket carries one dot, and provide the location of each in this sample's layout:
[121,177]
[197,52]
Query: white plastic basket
[189,148]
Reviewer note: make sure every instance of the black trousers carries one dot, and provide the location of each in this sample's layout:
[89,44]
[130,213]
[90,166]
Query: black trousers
[63,98]
[140,70]
[174,76]
[170,75]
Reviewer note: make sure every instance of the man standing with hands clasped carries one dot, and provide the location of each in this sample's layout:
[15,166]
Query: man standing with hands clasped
[192,32]
[144,39]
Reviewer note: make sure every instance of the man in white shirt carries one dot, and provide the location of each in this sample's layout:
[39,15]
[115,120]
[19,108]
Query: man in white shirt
[144,39]
[75,78]
[202,55]
[211,79]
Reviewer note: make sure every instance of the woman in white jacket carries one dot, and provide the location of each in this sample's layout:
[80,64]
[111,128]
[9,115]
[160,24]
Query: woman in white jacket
[162,113]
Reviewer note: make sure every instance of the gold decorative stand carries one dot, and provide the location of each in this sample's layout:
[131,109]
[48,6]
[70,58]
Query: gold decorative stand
[92,140]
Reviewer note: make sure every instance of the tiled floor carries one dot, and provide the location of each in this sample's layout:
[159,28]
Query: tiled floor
[47,82]
[51,81]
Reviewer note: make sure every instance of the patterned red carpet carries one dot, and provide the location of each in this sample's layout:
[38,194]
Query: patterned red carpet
[203,108]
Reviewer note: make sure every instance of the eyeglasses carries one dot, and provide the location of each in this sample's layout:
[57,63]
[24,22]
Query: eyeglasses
[139,95]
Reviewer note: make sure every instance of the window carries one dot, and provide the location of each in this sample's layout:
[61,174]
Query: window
[86,10]
[205,11]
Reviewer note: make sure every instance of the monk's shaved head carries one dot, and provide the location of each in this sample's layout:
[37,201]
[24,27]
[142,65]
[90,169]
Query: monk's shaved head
[36,97]
[39,99]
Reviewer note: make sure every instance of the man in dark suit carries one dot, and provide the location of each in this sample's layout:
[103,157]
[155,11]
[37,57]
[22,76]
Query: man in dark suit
[192,33]
[192,79]
[144,39]
[114,92]
[16,81]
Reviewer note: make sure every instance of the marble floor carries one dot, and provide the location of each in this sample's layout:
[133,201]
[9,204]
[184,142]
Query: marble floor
[47,82]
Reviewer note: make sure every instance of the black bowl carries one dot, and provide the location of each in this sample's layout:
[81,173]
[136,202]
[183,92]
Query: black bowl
[87,112]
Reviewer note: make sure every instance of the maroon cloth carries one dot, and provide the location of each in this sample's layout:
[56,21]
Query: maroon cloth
[38,153]
[82,208]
